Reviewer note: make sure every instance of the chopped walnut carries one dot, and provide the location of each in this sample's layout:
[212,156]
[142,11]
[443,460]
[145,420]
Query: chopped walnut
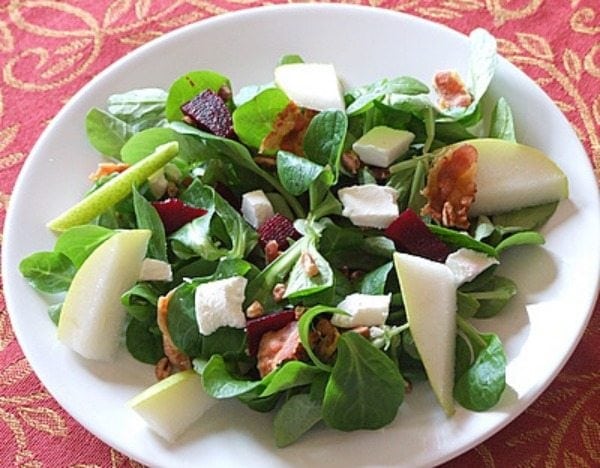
[176,357]
[299,311]
[288,130]
[308,264]
[266,162]
[254,310]
[351,162]
[278,292]
[163,368]
[323,339]
[451,90]
[271,250]
[451,187]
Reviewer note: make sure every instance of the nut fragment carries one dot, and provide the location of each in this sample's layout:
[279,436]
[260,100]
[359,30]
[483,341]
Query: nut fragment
[271,250]
[308,264]
[323,339]
[278,292]
[163,368]
[351,162]
[299,311]
[255,309]
[266,162]
[380,173]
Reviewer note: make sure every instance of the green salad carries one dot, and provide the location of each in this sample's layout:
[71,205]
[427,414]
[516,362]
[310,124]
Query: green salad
[306,249]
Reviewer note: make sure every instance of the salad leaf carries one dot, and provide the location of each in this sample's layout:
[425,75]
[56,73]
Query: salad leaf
[301,283]
[143,143]
[502,125]
[138,104]
[295,173]
[295,417]
[105,132]
[147,218]
[324,139]
[144,341]
[189,86]
[49,272]
[78,242]
[219,382]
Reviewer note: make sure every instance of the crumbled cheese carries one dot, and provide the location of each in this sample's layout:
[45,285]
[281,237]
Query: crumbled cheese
[364,310]
[256,208]
[382,145]
[466,264]
[155,270]
[370,205]
[219,304]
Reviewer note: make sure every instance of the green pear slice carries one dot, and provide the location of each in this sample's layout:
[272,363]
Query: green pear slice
[429,295]
[172,405]
[92,318]
[115,189]
[512,176]
[311,85]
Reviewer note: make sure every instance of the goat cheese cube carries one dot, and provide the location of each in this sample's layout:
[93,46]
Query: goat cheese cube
[219,304]
[366,310]
[155,270]
[466,264]
[370,205]
[382,145]
[256,208]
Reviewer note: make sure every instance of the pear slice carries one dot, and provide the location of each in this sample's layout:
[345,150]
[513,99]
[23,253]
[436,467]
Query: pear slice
[172,405]
[115,189]
[311,85]
[512,176]
[429,295]
[92,317]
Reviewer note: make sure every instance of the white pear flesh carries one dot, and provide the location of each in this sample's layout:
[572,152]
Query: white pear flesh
[429,295]
[92,318]
[311,85]
[171,406]
[512,176]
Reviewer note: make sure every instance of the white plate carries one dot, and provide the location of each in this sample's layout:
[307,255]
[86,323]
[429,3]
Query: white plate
[558,283]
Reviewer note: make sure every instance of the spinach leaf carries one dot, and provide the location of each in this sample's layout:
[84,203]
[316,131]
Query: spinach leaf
[140,301]
[365,389]
[79,242]
[482,385]
[502,124]
[145,142]
[520,238]
[325,137]
[292,374]
[295,417]
[485,296]
[374,281]
[524,219]
[189,86]
[301,283]
[147,218]
[253,120]
[237,154]
[460,239]
[219,382]
[181,320]
[144,341]
[138,104]
[105,132]
[290,58]
[295,173]
[49,272]
[54,311]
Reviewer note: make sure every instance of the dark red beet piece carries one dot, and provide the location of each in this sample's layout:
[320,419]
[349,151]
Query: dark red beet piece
[410,234]
[257,327]
[209,112]
[277,228]
[174,213]
[228,195]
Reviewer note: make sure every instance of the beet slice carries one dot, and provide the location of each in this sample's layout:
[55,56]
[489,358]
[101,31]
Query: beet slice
[410,234]
[257,327]
[277,228]
[174,213]
[209,112]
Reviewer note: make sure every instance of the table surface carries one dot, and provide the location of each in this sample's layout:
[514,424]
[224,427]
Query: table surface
[556,42]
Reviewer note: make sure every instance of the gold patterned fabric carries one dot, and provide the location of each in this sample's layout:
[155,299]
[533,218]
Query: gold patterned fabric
[50,49]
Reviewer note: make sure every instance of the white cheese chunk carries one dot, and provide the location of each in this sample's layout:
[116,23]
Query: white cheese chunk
[466,264]
[382,145]
[256,208]
[364,310]
[311,85]
[370,205]
[155,270]
[219,304]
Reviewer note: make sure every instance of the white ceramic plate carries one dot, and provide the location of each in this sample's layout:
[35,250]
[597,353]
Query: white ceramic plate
[558,283]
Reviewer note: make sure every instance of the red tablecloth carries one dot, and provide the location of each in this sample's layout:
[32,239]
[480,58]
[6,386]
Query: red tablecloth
[49,49]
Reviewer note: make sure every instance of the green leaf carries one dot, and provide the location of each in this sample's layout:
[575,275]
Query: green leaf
[364,96]
[218,381]
[135,105]
[181,320]
[300,284]
[143,143]
[520,238]
[502,125]
[374,281]
[290,58]
[147,218]
[365,389]
[140,301]
[460,239]
[188,86]
[144,341]
[482,385]
[295,173]
[325,137]
[295,417]
[106,132]
[79,242]
[292,374]
[253,120]
[49,272]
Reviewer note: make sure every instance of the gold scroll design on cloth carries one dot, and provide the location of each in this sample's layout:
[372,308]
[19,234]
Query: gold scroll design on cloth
[566,71]
[75,49]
